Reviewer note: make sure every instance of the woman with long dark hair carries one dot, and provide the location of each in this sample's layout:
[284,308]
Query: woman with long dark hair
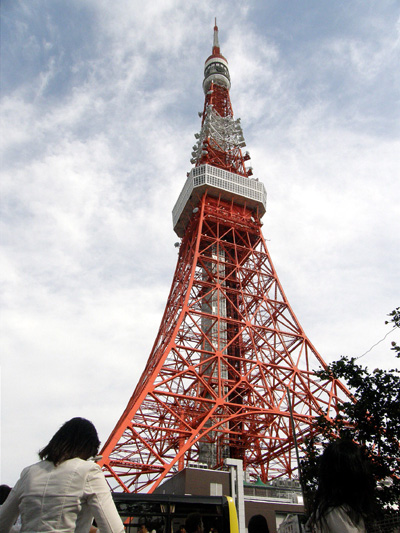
[345,495]
[65,490]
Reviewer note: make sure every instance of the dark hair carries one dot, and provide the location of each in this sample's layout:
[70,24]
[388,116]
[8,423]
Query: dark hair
[258,524]
[344,479]
[4,492]
[76,438]
[193,521]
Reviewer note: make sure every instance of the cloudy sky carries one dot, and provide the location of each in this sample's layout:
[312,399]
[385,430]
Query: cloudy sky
[99,105]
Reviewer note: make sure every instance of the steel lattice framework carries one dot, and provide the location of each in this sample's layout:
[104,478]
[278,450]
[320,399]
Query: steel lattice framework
[230,363]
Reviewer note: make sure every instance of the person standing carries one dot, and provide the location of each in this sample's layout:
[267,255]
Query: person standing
[194,523]
[4,492]
[258,524]
[345,496]
[143,528]
[65,490]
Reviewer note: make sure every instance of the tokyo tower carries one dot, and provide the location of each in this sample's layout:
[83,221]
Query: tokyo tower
[231,367]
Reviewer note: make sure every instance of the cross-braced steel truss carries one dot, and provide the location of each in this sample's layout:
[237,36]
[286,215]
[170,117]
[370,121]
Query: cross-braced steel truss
[228,353]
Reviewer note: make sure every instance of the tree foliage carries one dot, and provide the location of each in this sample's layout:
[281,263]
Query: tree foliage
[372,420]
[395,314]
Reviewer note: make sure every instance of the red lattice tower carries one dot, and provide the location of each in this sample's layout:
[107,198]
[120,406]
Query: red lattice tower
[231,362]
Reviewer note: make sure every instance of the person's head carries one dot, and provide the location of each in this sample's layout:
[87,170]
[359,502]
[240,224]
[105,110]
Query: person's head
[4,492]
[194,523]
[258,524]
[76,438]
[345,479]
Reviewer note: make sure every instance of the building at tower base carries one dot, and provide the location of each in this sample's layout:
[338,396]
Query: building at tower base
[276,500]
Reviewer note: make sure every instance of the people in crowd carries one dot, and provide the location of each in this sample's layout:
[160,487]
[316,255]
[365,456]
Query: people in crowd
[65,490]
[4,492]
[194,523]
[258,524]
[345,496]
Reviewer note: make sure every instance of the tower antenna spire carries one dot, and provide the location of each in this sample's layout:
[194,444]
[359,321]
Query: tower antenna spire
[216,49]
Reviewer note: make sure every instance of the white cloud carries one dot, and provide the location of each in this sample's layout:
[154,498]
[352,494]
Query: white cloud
[97,146]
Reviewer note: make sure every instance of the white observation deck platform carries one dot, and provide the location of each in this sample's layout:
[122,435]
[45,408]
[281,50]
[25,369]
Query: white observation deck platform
[219,183]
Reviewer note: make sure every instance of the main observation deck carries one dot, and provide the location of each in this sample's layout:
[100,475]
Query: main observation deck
[220,183]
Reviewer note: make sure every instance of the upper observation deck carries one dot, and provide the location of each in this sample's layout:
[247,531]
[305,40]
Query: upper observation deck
[219,183]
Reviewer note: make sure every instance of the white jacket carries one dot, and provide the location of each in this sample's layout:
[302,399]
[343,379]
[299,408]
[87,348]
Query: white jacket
[62,498]
[338,520]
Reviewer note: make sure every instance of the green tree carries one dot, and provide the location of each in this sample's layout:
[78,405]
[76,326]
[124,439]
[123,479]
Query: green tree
[372,420]
[395,314]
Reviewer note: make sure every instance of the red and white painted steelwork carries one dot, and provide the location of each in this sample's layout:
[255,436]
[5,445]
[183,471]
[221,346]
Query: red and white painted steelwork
[229,349]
